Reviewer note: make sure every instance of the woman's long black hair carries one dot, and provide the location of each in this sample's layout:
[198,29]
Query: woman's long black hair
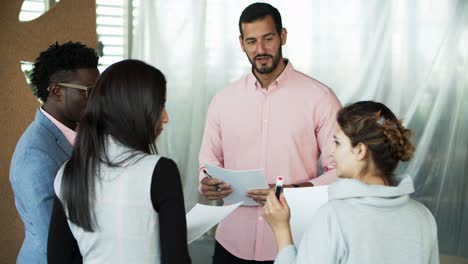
[127,104]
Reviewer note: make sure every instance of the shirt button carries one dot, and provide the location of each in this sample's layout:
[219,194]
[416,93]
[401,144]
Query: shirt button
[265,120]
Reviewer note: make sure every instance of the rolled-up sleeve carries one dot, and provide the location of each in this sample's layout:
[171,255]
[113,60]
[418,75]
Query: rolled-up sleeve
[326,116]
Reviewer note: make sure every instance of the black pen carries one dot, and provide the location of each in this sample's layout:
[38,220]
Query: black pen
[279,186]
[209,176]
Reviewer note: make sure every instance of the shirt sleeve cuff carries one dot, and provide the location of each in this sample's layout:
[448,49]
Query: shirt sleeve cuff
[327,178]
[286,255]
[201,175]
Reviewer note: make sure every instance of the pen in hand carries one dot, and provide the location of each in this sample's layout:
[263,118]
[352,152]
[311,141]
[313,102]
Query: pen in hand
[279,186]
[209,176]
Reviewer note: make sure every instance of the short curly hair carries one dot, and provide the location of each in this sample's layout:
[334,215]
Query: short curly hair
[57,58]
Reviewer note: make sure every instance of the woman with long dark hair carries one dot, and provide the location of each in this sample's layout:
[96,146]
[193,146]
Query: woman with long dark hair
[370,217]
[123,203]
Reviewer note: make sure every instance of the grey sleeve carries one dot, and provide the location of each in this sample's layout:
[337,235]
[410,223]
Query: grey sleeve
[322,242]
[286,255]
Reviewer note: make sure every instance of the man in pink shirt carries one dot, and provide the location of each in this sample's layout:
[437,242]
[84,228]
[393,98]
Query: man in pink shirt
[63,76]
[274,118]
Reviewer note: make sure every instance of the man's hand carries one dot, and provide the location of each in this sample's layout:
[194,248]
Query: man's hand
[215,189]
[259,195]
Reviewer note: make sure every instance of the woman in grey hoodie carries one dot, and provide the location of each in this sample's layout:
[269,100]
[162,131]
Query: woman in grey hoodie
[370,217]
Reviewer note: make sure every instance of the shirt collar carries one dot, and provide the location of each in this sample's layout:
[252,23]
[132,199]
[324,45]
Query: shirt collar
[69,134]
[254,84]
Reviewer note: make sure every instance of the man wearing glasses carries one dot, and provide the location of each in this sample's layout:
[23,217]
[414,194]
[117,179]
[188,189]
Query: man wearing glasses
[63,77]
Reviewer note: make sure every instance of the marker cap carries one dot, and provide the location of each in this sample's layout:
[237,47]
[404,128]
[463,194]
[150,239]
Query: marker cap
[279,180]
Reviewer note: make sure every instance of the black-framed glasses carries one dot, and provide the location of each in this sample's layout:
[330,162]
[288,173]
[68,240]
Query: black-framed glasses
[87,89]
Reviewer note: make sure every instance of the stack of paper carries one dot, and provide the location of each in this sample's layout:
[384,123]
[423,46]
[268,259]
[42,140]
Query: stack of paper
[241,182]
[203,217]
[303,203]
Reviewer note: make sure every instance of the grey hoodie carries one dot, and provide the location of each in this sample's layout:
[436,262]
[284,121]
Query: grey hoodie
[368,224]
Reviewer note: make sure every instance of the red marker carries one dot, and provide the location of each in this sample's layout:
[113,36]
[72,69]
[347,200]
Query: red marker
[279,186]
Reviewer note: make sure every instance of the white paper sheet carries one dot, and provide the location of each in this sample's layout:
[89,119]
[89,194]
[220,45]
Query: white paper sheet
[303,203]
[203,217]
[241,182]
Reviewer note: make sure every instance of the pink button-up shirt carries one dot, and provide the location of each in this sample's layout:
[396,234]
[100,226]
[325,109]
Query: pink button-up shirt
[283,130]
[69,134]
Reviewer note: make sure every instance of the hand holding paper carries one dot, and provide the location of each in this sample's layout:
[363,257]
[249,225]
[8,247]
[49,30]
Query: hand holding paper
[259,195]
[215,189]
[241,182]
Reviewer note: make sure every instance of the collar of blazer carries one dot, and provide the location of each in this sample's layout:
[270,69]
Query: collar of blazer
[53,130]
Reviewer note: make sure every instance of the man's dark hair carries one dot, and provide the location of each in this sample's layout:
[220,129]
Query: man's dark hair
[258,11]
[69,56]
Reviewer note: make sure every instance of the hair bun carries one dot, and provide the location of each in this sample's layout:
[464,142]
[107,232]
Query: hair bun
[399,140]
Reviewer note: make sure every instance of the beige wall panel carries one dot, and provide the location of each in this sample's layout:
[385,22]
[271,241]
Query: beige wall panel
[73,20]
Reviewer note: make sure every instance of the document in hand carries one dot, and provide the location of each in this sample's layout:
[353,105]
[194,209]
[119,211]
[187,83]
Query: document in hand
[241,182]
[303,203]
[203,217]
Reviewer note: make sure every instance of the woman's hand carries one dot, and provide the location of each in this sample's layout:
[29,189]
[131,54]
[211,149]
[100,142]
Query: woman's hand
[276,213]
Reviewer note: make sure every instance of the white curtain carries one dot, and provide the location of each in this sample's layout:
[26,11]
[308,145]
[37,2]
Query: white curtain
[411,55]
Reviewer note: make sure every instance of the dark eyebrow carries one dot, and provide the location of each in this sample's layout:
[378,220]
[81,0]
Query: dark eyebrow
[264,36]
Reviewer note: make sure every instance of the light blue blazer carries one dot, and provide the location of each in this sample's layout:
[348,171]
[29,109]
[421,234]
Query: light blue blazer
[38,155]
